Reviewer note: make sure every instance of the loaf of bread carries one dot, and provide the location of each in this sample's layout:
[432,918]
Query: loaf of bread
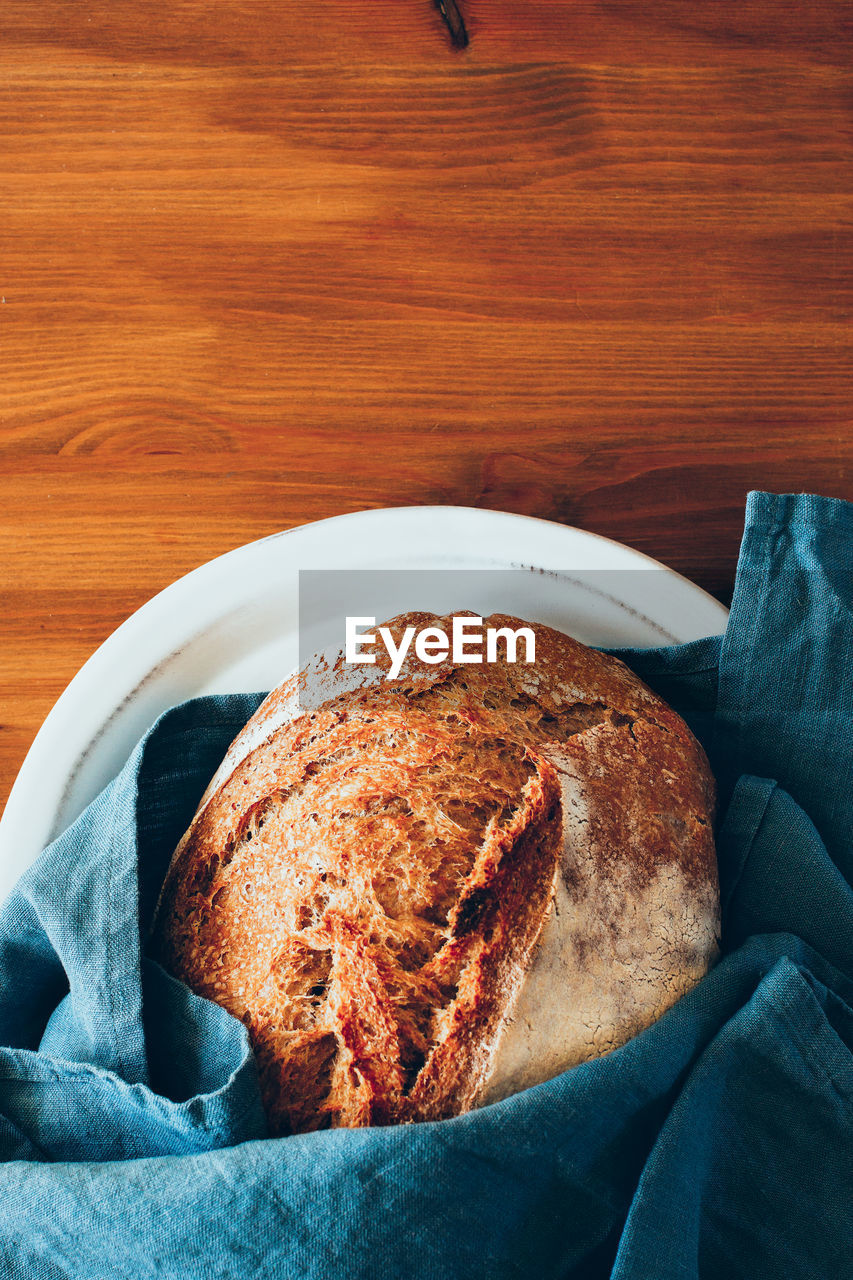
[426,893]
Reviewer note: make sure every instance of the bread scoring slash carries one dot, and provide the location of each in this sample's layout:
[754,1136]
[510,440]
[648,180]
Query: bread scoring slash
[421,895]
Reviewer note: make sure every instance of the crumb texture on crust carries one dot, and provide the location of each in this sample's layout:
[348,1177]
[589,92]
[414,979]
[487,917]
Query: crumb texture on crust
[411,893]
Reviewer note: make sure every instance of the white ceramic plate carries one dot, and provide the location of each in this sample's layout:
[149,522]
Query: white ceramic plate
[231,626]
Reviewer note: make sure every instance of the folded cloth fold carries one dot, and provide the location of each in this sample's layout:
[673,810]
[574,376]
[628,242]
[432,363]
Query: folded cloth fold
[718,1142]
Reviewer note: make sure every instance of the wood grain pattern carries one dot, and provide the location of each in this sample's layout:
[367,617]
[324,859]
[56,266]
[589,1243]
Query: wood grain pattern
[258,269]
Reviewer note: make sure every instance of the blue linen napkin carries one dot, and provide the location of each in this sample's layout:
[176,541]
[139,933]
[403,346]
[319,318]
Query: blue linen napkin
[717,1143]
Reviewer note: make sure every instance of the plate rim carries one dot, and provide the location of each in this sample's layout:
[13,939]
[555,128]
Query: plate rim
[134,626]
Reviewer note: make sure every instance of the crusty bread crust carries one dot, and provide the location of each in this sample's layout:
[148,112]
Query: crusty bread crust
[423,894]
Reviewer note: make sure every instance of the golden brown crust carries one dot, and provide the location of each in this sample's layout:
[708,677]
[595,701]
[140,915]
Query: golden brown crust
[369,884]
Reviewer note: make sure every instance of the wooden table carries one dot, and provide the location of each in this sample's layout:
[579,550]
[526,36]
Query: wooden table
[268,262]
